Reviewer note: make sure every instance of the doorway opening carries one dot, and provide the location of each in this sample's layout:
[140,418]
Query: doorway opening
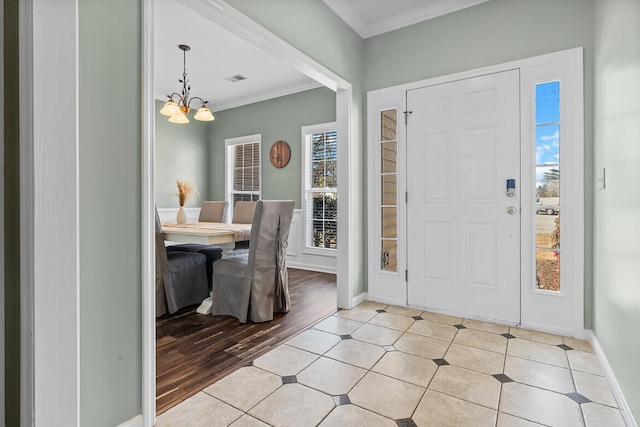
[222,14]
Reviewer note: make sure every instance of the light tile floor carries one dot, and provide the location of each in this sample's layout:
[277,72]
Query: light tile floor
[380,365]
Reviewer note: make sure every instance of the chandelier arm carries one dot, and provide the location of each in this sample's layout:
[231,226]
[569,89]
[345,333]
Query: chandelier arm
[180,98]
[202,101]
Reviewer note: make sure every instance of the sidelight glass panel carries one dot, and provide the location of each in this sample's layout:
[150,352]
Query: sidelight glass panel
[389,190]
[389,260]
[548,270]
[548,198]
[389,222]
[388,125]
[548,102]
[389,157]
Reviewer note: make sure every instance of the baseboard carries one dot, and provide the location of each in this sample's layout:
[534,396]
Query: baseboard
[359,299]
[136,421]
[391,301]
[613,382]
[310,267]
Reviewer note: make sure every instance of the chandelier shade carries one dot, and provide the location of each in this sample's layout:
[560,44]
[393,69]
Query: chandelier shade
[179,104]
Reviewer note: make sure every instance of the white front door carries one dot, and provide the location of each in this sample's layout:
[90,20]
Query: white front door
[463,229]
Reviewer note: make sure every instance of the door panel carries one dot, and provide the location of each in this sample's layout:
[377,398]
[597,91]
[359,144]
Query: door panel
[463,143]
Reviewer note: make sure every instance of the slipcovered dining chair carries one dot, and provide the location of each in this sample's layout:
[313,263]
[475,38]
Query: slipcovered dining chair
[181,278]
[254,285]
[210,211]
[213,211]
[243,212]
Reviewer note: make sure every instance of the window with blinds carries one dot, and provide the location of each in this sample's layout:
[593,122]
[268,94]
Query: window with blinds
[321,186]
[243,169]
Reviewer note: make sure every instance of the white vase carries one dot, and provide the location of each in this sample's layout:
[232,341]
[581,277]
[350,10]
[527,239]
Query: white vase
[181,218]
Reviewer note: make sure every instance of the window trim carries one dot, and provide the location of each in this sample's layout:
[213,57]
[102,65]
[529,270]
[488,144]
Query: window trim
[228,185]
[306,132]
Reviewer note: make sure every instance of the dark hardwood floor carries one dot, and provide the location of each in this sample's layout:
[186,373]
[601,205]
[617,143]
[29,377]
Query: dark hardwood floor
[194,350]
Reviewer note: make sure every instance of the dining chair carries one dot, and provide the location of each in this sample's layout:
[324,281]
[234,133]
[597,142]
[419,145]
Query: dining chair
[254,285]
[210,211]
[213,211]
[243,212]
[181,278]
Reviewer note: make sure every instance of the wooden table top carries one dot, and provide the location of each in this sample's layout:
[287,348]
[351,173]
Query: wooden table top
[206,232]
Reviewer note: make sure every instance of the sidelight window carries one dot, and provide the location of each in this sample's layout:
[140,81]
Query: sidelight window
[388,146]
[548,131]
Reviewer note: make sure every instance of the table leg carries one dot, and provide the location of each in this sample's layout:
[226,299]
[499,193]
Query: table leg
[205,306]
[227,251]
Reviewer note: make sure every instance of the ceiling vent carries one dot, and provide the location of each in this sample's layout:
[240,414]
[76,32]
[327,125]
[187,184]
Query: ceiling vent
[235,78]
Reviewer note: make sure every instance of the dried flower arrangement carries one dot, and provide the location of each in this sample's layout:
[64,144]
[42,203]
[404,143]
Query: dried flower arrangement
[185,190]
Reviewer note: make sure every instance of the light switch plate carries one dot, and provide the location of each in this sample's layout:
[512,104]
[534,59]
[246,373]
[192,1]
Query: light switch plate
[600,179]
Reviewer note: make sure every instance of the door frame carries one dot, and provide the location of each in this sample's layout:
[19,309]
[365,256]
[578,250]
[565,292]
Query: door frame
[392,288]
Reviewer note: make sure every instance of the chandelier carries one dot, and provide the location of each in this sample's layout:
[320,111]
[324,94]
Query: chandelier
[180,104]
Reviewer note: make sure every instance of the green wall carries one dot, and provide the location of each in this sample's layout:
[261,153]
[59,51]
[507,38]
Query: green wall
[110,140]
[313,28]
[181,153]
[277,119]
[491,33]
[617,207]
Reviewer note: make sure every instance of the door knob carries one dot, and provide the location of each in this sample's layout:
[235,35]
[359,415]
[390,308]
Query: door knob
[511,210]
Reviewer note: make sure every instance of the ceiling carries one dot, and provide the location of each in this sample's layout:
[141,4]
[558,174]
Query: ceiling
[217,53]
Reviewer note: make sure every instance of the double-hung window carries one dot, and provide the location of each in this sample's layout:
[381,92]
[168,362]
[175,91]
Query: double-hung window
[243,169]
[320,186]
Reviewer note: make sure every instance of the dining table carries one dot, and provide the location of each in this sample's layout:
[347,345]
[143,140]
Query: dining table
[207,233]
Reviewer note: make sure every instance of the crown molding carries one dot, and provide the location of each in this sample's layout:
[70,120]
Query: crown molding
[399,20]
[265,96]
[251,99]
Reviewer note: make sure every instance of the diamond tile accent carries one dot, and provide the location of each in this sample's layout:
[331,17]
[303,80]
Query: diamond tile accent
[565,347]
[502,378]
[389,348]
[440,362]
[381,311]
[346,337]
[406,422]
[417,318]
[341,399]
[311,328]
[460,326]
[289,379]
[577,397]
[508,336]
[249,364]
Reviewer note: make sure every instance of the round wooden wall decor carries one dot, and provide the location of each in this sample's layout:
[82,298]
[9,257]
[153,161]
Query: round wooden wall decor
[280,154]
